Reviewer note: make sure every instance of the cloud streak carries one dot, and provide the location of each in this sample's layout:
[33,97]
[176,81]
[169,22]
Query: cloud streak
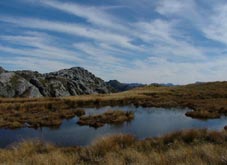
[147,41]
[73,29]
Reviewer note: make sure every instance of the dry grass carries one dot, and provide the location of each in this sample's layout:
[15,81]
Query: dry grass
[37,118]
[187,147]
[109,117]
[208,100]
[203,114]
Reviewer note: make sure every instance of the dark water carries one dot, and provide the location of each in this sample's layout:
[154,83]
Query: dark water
[148,122]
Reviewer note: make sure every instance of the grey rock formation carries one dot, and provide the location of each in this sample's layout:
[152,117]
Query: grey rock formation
[66,82]
[13,85]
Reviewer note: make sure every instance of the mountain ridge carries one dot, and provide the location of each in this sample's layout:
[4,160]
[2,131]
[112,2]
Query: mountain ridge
[65,82]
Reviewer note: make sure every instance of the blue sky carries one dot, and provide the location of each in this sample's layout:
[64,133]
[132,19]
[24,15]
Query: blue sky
[176,41]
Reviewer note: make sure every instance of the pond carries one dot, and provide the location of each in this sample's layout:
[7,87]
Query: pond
[148,122]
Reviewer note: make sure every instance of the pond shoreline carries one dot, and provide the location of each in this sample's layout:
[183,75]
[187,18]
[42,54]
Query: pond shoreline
[147,122]
[208,100]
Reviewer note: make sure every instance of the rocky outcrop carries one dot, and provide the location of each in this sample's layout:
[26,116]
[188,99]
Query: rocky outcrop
[119,87]
[66,82]
[13,85]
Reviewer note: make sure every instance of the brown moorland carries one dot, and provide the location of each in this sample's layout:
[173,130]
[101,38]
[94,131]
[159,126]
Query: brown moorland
[208,100]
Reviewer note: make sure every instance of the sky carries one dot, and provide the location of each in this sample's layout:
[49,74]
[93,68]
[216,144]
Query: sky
[145,41]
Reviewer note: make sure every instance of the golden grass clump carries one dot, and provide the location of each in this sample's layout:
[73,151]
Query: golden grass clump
[203,114]
[109,117]
[37,118]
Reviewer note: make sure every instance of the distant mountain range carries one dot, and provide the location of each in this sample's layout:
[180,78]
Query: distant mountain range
[162,84]
[120,87]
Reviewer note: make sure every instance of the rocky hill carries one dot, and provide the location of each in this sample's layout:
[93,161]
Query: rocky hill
[66,82]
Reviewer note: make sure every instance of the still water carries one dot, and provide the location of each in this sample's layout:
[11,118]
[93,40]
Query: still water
[148,122]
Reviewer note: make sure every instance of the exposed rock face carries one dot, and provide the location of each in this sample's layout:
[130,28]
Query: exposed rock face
[119,87]
[67,82]
[13,85]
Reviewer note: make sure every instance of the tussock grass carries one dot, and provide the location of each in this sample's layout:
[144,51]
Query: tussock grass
[203,114]
[186,147]
[37,118]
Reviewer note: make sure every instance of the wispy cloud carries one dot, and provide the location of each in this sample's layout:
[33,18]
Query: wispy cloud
[95,52]
[216,29]
[42,65]
[142,41]
[37,45]
[167,41]
[95,15]
[169,7]
[162,71]
[73,29]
